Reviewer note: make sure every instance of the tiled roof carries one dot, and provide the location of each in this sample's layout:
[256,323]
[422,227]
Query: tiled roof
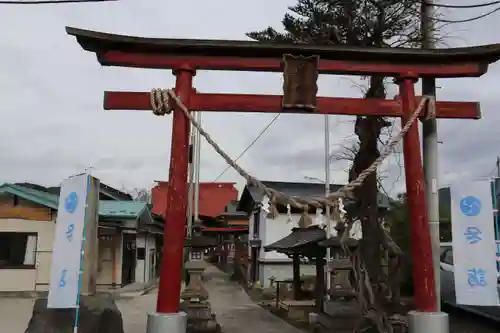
[295,189]
[113,208]
[28,193]
[105,192]
[297,240]
[214,197]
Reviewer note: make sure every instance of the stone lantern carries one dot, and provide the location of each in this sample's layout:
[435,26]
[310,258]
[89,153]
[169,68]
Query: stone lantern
[195,297]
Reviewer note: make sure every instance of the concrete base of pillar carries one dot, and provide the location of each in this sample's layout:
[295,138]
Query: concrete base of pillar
[425,322]
[167,322]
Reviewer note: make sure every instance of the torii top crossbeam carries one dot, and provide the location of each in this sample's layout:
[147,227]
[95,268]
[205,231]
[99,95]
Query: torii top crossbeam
[126,51]
[301,65]
[118,50]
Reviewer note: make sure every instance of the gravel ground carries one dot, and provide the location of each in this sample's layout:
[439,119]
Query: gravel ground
[463,322]
[236,312]
[15,314]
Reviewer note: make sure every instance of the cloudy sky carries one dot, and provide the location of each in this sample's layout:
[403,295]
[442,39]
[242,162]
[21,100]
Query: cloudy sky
[53,124]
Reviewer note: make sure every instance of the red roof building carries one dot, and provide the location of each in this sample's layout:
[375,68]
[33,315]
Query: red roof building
[214,197]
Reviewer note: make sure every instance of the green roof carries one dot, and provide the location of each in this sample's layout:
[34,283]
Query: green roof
[39,197]
[111,208]
[107,208]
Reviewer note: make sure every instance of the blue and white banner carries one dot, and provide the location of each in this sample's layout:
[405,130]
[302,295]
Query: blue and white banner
[68,243]
[474,248]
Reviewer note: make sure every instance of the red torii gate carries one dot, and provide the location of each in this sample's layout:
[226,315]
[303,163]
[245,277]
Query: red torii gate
[185,57]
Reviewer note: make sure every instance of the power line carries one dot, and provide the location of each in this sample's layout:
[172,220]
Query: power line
[469,19]
[250,145]
[486,4]
[489,175]
[43,2]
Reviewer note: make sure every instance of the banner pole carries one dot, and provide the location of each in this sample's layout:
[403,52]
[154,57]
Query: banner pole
[497,222]
[82,253]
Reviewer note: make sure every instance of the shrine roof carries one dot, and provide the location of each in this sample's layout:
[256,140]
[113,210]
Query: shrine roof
[335,242]
[298,240]
[100,42]
[252,194]
[200,241]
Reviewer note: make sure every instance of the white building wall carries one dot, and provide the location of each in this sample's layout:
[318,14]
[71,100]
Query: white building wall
[251,228]
[150,257]
[144,269]
[270,271]
[140,266]
[38,279]
[274,265]
[275,229]
[30,279]
[110,258]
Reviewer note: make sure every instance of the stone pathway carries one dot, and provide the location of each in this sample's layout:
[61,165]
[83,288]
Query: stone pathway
[134,289]
[135,311]
[235,311]
[15,314]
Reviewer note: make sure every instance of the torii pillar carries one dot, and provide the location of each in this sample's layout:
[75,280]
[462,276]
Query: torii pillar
[186,56]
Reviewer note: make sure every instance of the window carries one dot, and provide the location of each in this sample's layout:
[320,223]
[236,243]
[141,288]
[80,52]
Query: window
[141,253]
[196,254]
[17,250]
[448,257]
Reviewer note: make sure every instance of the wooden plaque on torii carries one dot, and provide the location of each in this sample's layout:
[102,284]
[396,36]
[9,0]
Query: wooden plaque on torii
[300,76]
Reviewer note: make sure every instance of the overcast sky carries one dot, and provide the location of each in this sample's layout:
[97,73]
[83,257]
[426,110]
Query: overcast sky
[53,125]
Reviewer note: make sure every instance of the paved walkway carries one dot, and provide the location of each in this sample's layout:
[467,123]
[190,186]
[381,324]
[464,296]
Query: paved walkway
[236,312]
[134,289]
[15,313]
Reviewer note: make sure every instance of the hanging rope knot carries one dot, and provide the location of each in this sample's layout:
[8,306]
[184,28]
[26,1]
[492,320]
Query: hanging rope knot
[397,319]
[160,101]
[305,220]
[430,110]
[273,209]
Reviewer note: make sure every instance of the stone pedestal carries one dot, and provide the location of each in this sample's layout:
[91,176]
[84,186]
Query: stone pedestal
[166,322]
[423,322]
[340,280]
[97,315]
[342,316]
[195,288]
[195,301]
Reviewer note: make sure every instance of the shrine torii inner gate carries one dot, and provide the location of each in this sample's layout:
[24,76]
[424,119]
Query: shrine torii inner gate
[186,56]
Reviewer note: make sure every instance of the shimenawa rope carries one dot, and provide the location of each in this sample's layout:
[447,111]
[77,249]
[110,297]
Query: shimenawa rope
[161,104]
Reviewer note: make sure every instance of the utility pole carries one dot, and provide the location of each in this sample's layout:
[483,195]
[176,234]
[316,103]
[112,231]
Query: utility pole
[194,177]
[191,188]
[498,166]
[327,208]
[420,322]
[430,147]
[197,163]
[495,202]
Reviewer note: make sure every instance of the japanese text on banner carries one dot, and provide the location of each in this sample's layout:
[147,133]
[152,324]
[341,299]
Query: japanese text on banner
[474,248]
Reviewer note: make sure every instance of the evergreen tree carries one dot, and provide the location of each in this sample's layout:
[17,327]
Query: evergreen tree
[362,23]
[388,23]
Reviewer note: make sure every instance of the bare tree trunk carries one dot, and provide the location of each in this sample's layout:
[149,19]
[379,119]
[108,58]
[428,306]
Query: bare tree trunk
[371,245]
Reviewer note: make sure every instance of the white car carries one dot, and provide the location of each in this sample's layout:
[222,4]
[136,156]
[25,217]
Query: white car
[448,285]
